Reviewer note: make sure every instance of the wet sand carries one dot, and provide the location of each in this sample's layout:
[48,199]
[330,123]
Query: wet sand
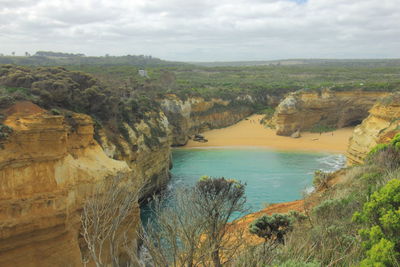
[251,133]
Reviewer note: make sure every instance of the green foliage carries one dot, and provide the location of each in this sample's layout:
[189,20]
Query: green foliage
[55,111]
[275,226]
[319,128]
[382,214]
[386,156]
[56,88]
[5,131]
[377,148]
[320,179]
[381,254]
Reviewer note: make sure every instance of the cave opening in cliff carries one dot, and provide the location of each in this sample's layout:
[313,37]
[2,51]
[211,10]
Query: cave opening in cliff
[353,123]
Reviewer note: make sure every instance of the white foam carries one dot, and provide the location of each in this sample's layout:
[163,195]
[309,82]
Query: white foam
[332,163]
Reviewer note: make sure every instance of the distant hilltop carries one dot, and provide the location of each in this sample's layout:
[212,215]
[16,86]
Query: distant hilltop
[56,54]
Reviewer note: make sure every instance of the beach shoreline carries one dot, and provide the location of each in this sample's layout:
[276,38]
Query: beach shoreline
[250,133]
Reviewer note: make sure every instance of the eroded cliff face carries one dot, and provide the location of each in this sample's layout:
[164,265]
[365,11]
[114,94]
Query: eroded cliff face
[302,110]
[195,115]
[48,166]
[146,148]
[382,124]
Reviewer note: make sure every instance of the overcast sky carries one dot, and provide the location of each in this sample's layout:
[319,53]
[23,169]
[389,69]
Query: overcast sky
[204,30]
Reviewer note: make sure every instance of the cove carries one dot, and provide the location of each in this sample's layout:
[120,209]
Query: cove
[271,176]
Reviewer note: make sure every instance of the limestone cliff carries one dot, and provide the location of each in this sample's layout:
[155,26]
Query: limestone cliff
[195,115]
[303,110]
[145,147]
[382,124]
[48,165]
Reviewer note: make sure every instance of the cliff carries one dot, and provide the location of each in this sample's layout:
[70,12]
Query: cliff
[382,124]
[48,164]
[304,110]
[146,147]
[195,115]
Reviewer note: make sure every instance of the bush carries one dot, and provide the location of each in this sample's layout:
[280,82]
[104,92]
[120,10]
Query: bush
[386,156]
[5,131]
[381,214]
[319,128]
[275,226]
[320,179]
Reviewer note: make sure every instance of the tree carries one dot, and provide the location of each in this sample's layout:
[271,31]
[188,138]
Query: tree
[107,217]
[173,237]
[272,227]
[193,229]
[218,200]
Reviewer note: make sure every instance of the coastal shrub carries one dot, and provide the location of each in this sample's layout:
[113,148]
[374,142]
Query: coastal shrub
[271,227]
[5,131]
[297,216]
[381,215]
[55,111]
[320,179]
[320,128]
[386,156]
[6,101]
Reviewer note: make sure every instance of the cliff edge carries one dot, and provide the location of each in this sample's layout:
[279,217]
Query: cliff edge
[304,110]
[382,124]
[48,165]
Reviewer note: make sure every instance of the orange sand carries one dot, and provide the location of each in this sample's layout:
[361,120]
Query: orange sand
[251,133]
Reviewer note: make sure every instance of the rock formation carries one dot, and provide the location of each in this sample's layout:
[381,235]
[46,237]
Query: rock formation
[303,110]
[145,148]
[382,124]
[48,166]
[195,115]
[49,163]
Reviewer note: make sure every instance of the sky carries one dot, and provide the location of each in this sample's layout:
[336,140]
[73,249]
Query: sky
[207,30]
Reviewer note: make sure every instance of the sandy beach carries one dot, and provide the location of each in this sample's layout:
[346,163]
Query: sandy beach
[251,133]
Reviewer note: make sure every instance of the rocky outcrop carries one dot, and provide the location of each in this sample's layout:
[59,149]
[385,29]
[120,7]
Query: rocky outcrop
[195,115]
[48,165]
[145,147]
[303,110]
[382,124]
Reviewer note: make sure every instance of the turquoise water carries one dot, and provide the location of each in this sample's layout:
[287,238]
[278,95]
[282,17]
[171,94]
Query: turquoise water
[271,176]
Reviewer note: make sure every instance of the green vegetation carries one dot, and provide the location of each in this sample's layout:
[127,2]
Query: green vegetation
[354,223]
[226,81]
[319,128]
[61,91]
[272,227]
[4,131]
[382,214]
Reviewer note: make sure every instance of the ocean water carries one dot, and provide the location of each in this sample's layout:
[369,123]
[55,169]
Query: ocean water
[271,176]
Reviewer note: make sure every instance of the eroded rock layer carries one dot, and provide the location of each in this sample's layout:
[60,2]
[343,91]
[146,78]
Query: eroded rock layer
[48,166]
[195,115]
[382,124]
[303,110]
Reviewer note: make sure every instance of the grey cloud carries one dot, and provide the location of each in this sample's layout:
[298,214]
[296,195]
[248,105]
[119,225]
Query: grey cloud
[204,30]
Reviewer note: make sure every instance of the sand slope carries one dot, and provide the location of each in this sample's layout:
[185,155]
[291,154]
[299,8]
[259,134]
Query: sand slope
[251,133]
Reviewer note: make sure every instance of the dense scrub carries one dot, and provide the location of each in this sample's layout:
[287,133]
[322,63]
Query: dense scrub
[61,91]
